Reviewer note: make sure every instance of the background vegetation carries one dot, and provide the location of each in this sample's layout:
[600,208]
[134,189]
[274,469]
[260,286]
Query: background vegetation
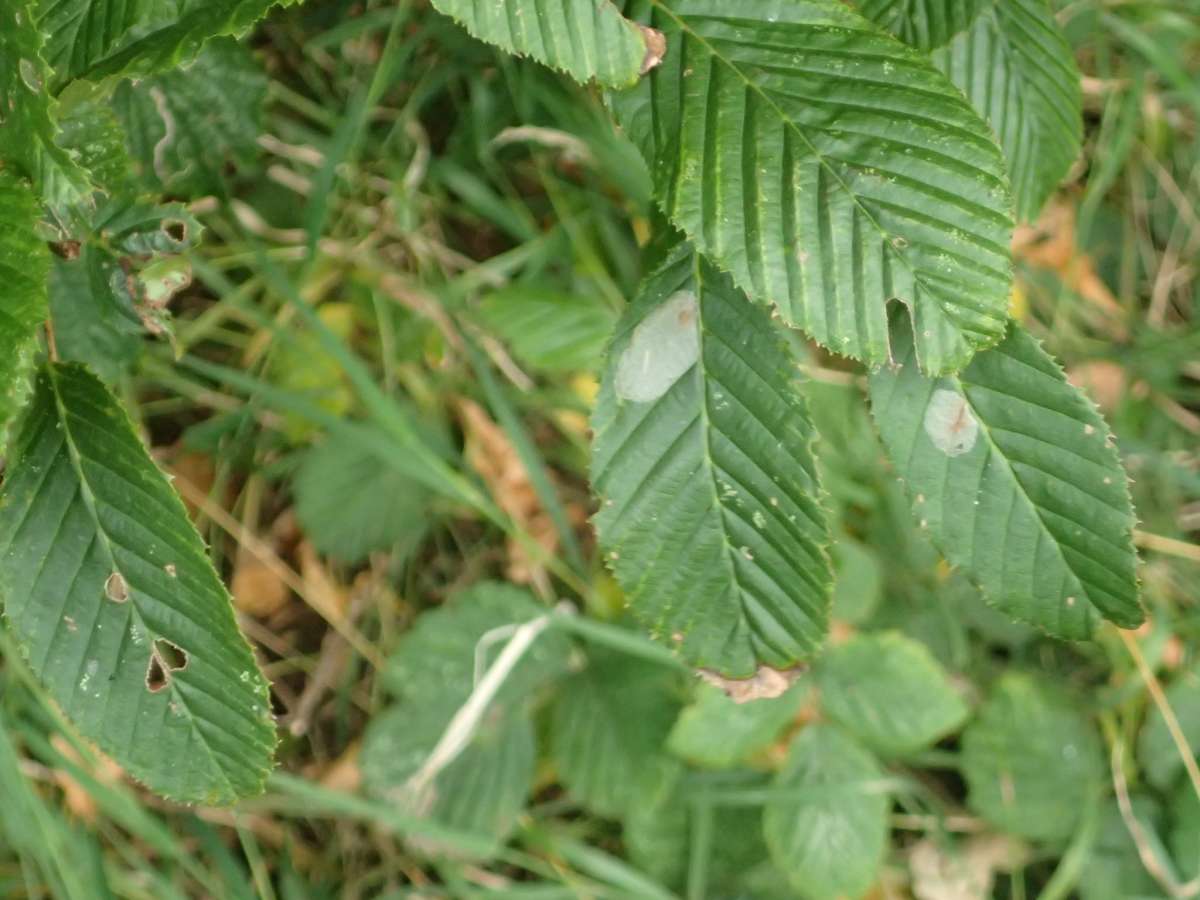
[386,445]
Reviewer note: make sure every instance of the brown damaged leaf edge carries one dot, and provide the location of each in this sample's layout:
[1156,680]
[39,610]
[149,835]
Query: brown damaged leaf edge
[765,684]
[656,48]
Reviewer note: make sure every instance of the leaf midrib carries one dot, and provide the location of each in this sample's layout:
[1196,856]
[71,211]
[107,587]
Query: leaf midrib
[711,467]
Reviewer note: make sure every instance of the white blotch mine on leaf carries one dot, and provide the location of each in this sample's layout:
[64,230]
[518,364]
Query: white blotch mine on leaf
[765,684]
[950,423]
[664,346]
[116,588]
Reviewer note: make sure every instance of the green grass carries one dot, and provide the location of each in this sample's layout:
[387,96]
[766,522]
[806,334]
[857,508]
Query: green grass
[406,176]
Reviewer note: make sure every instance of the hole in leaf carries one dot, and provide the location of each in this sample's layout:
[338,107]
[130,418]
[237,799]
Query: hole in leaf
[165,658]
[156,678]
[175,229]
[116,588]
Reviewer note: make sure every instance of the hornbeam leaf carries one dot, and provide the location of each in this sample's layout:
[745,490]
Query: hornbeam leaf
[709,512]
[24,267]
[829,168]
[80,32]
[111,596]
[24,106]
[1015,475]
[95,39]
[27,127]
[924,24]
[185,126]
[587,39]
[1019,72]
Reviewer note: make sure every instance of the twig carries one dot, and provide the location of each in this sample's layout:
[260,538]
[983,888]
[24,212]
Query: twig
[285,573]
[1149,858]
[1164,707]
[463,725]
[1167,546]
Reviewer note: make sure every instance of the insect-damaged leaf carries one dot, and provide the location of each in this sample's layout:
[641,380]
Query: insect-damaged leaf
[1016,477]
[111,596]
[585,38]
[709,511]
[828,168]
[95,39]
[1019,72]
[186,126]
[24,266]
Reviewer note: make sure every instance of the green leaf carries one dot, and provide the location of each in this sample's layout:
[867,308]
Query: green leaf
[548,331]
[82,32]
[437,656]
[482,791]
[1156,748]
[829,168]
[24,265]
[1185,830]
[1031,760]
[717,732]
[90,130]
[607,732]
[111,595]
[97,39]
[27,135]
[95,321]
[351,504]
[587,39]
[105,297]
[889,691]
[659,833]
[1015,475]
[1019,72]
[709,511]
[185,125]
[143,229]
[923,24]
[827,824]
[858,582]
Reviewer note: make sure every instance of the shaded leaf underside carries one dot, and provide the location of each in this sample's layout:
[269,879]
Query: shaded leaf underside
[24,267]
